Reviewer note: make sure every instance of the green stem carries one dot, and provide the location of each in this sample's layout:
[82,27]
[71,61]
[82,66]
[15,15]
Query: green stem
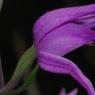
[28,81]
[24,63]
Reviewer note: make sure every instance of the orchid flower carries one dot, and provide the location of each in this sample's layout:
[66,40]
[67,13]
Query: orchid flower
[58,33]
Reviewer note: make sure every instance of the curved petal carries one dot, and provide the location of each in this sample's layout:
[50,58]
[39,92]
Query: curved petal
[57,64]
[65,39]
[54,19]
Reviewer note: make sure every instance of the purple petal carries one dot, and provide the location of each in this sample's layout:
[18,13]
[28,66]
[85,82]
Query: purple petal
[58,17]
[60,32]
[57,64]
[63,40]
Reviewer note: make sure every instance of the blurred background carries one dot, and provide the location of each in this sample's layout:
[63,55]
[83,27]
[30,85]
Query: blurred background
[17,18]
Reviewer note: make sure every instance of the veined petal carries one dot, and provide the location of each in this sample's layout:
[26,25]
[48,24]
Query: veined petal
[54,19]
[56,64]
[65,39]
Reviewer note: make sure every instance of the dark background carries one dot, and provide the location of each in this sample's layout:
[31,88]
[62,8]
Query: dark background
[17,18]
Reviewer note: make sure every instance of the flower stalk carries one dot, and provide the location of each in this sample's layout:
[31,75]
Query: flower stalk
[24,64]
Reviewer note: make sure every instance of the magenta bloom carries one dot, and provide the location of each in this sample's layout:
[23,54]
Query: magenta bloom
[61,31]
